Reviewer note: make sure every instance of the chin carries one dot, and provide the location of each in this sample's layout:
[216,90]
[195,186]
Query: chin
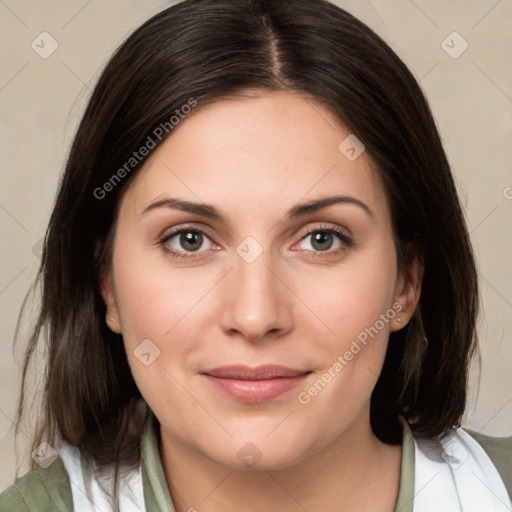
[260,454]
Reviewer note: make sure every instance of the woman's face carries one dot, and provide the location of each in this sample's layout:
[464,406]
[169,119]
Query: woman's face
[269,284]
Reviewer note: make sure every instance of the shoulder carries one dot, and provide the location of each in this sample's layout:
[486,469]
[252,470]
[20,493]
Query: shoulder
[499,450]
[40,490]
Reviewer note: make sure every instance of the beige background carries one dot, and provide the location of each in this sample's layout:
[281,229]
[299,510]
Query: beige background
[41,101]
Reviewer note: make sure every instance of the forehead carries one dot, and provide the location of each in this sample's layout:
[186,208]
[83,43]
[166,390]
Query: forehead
[257,155]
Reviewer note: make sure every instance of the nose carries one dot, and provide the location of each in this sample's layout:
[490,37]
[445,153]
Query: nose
[256,302]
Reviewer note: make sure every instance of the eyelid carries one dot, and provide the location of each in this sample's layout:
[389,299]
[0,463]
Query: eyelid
[326,227]
[169,232]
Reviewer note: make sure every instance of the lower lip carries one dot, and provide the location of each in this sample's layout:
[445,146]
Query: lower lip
[255,391]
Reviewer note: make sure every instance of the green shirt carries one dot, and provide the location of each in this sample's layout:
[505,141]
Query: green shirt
[48,490]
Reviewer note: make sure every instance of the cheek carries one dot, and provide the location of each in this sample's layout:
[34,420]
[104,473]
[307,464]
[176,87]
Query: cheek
[153,297]
[355,302]
[163,310]
[351,297]
[156,306]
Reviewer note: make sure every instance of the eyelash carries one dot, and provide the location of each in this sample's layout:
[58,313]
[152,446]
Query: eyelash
[344,239]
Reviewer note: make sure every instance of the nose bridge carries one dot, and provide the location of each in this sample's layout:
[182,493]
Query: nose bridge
[254,304]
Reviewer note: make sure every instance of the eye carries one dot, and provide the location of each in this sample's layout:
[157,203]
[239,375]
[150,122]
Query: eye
[183,241]
[323,238]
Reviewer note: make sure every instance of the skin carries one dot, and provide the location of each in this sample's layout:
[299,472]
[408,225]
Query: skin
[254,159]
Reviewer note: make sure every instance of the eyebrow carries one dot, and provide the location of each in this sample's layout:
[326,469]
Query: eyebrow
[297,211]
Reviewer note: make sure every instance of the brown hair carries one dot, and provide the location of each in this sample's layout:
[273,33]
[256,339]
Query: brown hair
[214,49]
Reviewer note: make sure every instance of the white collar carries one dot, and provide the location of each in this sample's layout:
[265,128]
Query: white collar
[455,474]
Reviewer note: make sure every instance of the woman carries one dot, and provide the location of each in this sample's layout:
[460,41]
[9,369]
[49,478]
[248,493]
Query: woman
[205,352]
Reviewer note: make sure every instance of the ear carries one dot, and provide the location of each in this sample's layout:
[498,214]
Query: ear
[408,290]
[106,290]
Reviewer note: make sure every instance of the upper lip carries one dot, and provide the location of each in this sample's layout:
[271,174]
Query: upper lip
[242,372]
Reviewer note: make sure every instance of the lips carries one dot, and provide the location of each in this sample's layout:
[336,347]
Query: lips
[254,385]
[241,372]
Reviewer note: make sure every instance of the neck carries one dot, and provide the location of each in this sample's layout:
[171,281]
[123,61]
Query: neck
[356,471]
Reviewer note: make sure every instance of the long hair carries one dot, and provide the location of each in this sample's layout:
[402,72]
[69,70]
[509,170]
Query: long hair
[203,51]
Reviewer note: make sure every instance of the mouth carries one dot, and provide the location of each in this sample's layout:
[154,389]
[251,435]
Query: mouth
[254,384]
